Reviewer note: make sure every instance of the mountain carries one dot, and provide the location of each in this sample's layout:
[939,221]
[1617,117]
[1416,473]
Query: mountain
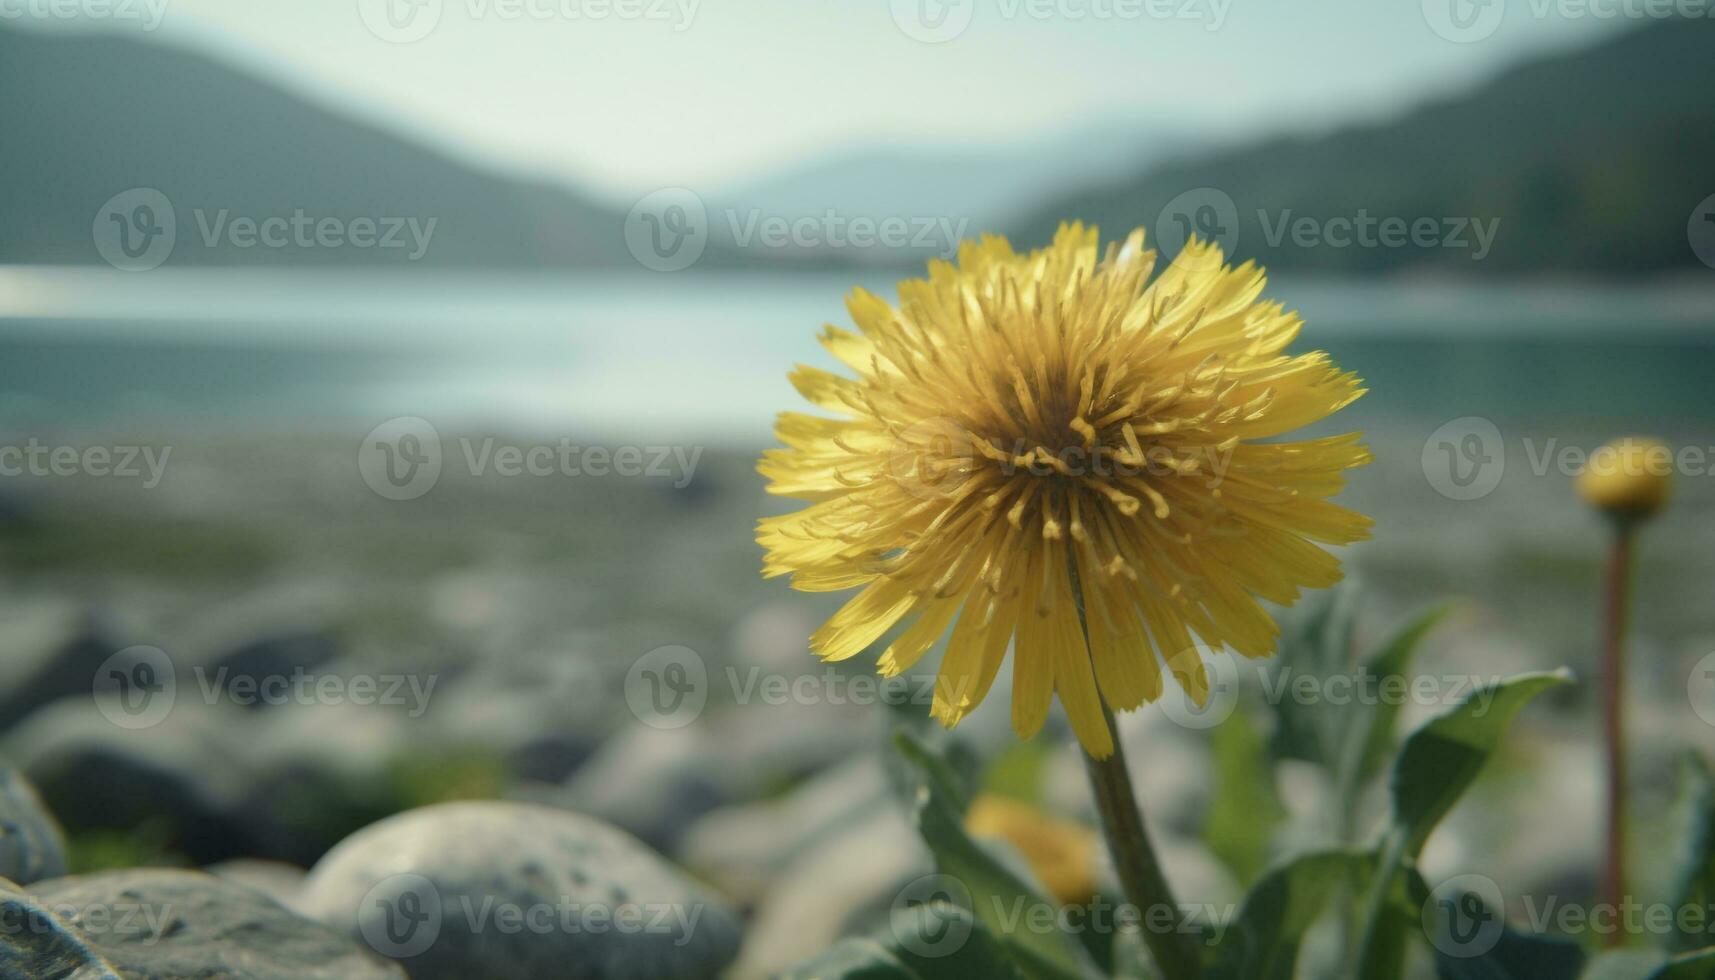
[86,117]
[984,187]
[1592,162]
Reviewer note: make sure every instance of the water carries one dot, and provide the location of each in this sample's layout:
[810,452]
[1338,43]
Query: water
[704,356]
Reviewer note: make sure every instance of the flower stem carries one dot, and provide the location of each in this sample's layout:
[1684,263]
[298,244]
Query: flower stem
[1613,721]
[1128,843]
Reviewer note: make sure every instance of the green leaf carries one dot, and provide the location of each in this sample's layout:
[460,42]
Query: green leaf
[1315,642]
[1385,944]
[1514,955]
[1692,966]
[1001,901]
[1642,964]
[1435,766]
[929,942]
[1697,879]
[1131,956]
[1245,809]
[1262,943]
[953,760]
[860,958]
[1440,760]
[1387,666]
[1625,964]
[1017,772]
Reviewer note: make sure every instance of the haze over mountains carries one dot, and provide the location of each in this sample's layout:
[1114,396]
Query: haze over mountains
[86,117]
[985,187]
[1592,162]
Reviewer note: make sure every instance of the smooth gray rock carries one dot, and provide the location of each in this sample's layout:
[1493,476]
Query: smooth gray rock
[655,783]
[159,924]
[514,891]
[182,777]
[541,715]
[318,772]
[844,887]
[744,848]
[37,943]
[53,650]
[31,847]
[269,657]
[278,880]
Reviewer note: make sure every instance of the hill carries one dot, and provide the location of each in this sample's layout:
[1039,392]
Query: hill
[1590,162]
[86,117]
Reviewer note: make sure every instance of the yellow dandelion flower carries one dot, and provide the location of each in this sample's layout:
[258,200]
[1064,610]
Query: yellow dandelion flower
[1061,854]
[1629,478]
[1021,422]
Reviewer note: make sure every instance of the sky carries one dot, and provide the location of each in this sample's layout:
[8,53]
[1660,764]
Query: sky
[621,96]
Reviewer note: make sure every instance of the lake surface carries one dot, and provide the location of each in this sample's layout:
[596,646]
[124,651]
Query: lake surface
[704,355]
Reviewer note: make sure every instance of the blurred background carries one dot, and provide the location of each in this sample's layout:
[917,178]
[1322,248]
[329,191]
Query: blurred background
[436,340]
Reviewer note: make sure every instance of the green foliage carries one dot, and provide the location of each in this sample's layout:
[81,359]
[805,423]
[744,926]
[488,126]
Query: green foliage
[1373,889]
[1263,943]
[1441,760]
[1697,876]
[1692,966]
[1652,965]
[1246,808]
[1017,772]
[1435,766]
[996,895]
[147,845]
[935,751]
[1318,643]
[1389,665]
[416,780]
[1514,955]
[1351,740]
[928,942]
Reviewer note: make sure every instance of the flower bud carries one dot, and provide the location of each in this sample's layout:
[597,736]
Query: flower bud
[1060,852]
[1628,478]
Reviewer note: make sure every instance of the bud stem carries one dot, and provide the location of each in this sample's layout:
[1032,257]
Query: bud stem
[1617,587]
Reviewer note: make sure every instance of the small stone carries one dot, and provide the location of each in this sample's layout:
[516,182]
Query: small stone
[38,943]
[499,889]
[843,888]
[744,848]
[31,847]
[181,776]
[159,924]
[278,880]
